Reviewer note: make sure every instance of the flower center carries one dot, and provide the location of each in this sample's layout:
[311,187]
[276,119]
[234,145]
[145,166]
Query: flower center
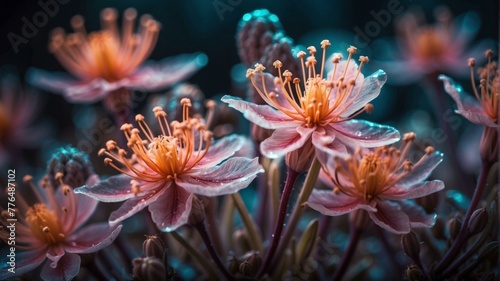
[178,149]
[488,86]
[372,173]
[318,101]
[429,44]
[44,224]
[105,54]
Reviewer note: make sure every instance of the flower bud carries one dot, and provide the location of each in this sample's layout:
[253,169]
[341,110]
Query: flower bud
[251,265]
[478,221]
[414,273]
[73,164]
[429,202]
[411,245]
[233,264]
[241,239]
[197,214]
[454,225]
[488,147]
[149,268]
[153,246]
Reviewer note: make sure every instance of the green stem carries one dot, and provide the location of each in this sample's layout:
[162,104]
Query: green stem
[196,255]
[298,209]
[255,239]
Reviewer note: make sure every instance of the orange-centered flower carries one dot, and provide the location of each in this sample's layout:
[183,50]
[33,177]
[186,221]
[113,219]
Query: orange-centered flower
[164,171]
[178,149]
[111,59]
[315,113]
[106,53]
[379,181]
[52,229]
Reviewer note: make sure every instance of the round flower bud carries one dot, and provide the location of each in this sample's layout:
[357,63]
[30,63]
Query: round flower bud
[153,246]
[73,164]
[488,147]
[414,273]
[149,269]
[251,265]
[478,221]
[233,264]
[301,159]
[454,225]
[411,245]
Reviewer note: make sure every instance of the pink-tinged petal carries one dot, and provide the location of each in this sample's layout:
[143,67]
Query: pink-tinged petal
[92,238]
[172,209]
[67,268]
[227,178]
[421,170]
[137,203]
[417,191]
[73,90]
[262,115]
[55,253]
[221,150]
[350,73]
[326,146]
[418,216]
[285,140]
[330,204]
[158,75]
[364,133]
[467,105]
[370,89]
[26,261]
[390,217]
[265,83]
[113,189]
[86,207]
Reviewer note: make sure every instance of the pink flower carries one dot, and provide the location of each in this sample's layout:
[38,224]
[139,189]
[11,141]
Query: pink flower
[51,229]
[317,117]
[484,108]
[164,172]
[379,181]
[105,60]
[432,48]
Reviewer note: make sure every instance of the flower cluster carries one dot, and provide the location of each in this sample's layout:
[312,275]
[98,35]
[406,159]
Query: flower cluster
[310,190]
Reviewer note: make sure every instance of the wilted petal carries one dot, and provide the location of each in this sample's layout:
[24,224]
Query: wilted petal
[231,176]
[172,209]
[390,217]
[67,268]
[262,115]
[285,140]
[370,89]
[157,75]
[135,204]
[417,191]
[26,261]
[330,204]
[92,238]
[364,133]
[221,150]
[421,170]
[418,216]
[467,105]
[114,189]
